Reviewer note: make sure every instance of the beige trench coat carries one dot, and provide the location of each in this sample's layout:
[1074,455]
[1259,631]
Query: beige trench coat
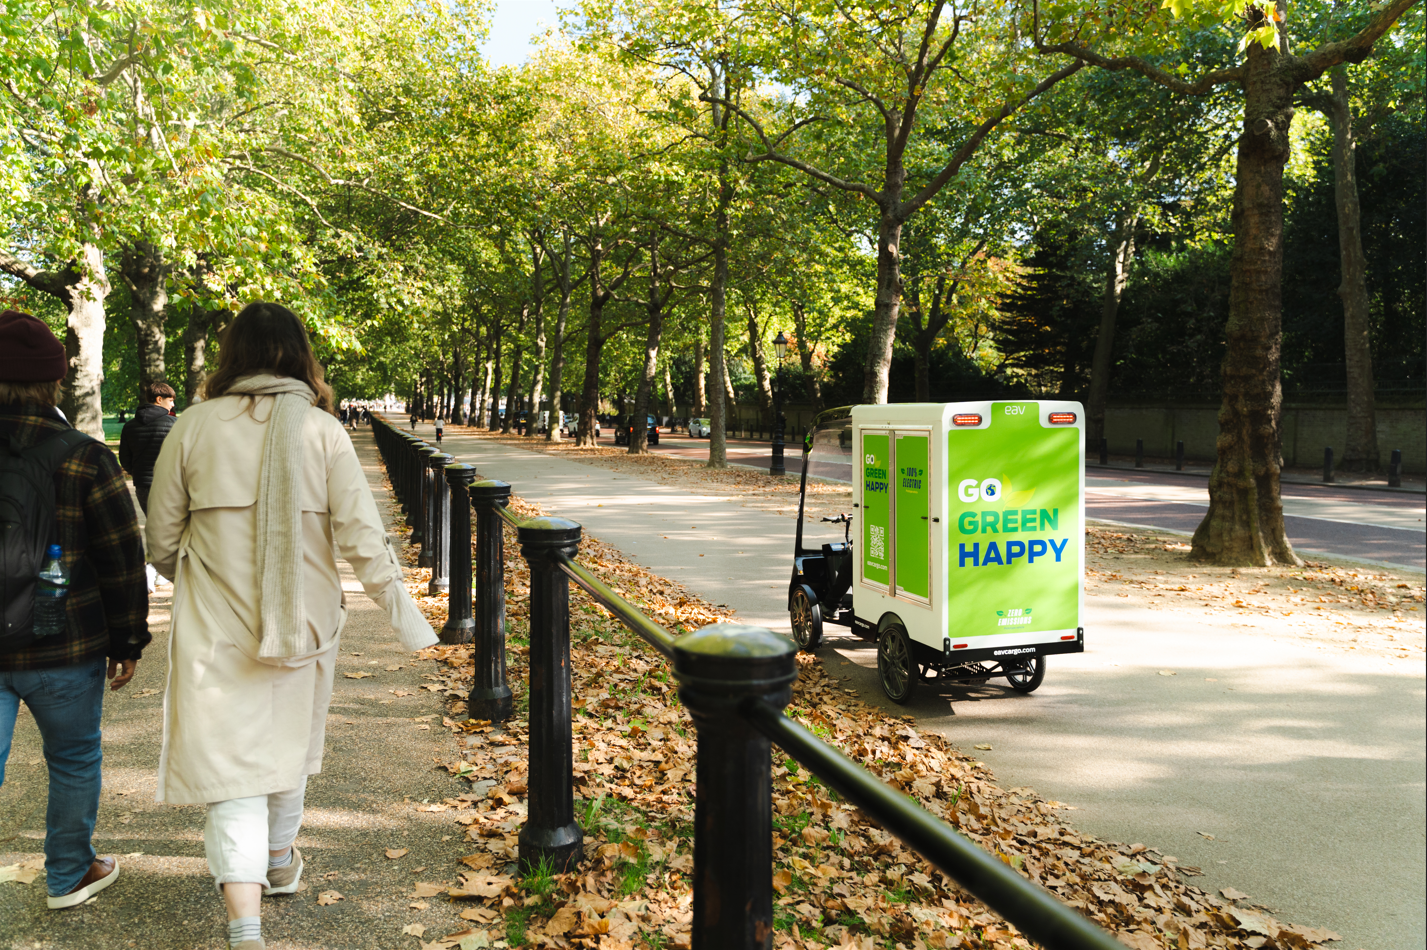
[234,725]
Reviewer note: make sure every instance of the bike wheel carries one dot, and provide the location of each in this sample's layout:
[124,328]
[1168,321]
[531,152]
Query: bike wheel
[807,617]
[895,666]
[1026,679]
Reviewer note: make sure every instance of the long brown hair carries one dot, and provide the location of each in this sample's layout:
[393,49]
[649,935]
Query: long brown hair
[267,338]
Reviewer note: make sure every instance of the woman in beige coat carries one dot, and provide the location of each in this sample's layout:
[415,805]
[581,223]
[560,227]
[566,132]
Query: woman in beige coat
[256,492]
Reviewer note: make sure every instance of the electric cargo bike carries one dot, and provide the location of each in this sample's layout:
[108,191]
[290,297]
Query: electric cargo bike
[969,558]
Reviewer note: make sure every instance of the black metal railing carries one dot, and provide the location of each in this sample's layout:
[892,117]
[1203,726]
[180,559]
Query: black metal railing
[735,681]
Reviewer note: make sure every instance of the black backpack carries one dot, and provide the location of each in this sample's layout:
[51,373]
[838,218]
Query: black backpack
[27,527]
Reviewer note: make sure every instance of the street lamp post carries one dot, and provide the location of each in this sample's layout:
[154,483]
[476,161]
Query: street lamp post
[780,345]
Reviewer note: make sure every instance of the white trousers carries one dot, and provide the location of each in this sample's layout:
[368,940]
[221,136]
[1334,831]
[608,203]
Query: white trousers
[241,831]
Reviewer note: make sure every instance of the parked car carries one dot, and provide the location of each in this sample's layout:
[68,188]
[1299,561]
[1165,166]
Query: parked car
[572,425]
[625,432]
[700,428]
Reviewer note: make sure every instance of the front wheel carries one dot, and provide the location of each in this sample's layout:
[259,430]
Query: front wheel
[807,617]
[1028,677]
[895,666]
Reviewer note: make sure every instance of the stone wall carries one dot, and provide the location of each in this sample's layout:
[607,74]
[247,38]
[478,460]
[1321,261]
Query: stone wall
[1307,430]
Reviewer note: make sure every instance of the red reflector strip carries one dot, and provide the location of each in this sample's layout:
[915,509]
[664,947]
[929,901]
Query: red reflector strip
[959,646]
[1068,637]
[1062,418]
[968,419]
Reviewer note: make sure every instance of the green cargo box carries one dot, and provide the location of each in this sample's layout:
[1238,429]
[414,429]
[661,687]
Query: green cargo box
[970,536]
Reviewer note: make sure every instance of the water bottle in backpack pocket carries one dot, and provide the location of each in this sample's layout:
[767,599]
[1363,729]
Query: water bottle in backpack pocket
[33,580]
[51,594]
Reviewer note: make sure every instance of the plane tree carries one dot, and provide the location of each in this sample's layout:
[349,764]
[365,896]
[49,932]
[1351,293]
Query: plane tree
[1244,522]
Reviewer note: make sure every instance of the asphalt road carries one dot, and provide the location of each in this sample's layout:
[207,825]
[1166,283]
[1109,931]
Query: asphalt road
[1387,527]
[1305,764]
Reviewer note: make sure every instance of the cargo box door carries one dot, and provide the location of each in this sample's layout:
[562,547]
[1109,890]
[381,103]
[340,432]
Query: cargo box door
[911,552]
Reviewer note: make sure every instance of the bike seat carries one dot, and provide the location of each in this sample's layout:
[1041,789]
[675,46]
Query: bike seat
[838,547]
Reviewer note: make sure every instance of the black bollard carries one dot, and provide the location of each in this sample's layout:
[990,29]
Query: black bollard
[460,624]
[1179,456]
[551,835]
[411,472]
[719,668]
[1104,451]
[490,696]
[1139,453]
[1394,470]
[426,504]
[440,525]
[1328,464]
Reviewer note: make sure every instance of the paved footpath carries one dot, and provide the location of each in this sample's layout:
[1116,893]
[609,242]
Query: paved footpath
[378,766]
[1305,766]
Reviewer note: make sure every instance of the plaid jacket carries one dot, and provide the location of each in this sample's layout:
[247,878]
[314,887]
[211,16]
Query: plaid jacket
[107,605]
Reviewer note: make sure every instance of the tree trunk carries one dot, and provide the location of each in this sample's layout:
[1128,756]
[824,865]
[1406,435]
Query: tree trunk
[760,365]
[670,410]
[654,307]
[594,347]
[201,324]
[718,288]
[877,374]
[480,382]
[805,354]
[537,365]
[1360,452]
[493,425]
[512,399]
[557,358]
[700,368]
[1244,524]
[1122,252]
[144,273]
[84,343]
[458,382]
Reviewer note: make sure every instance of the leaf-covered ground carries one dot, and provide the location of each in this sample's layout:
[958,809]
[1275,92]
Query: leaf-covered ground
[841,881]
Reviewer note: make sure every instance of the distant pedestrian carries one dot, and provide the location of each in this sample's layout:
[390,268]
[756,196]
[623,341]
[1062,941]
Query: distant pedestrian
[440,428]
[59,486]
[143,436]
[257,492]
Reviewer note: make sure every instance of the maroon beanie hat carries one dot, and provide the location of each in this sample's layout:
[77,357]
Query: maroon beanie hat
[29,352]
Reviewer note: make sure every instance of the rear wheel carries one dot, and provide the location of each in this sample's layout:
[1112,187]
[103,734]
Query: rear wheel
[895,666]
[1029,676]
[807,617]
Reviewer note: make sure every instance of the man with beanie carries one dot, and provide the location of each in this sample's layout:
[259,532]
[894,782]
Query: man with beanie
[60,676]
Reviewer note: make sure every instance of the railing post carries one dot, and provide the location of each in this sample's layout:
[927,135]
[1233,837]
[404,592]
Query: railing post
[551,834]
[410,464]
[1104,451]
[426,503]
[1179,456]
[490,696]
[1139,453]
[719,668]
[1328,464]
[440,525]
[1394,470]
[460,624]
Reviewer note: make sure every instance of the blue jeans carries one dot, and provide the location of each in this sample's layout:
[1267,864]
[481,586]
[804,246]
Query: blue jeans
[66,702]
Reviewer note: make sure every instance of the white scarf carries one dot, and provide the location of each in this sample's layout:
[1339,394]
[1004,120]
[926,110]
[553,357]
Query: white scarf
[279,535]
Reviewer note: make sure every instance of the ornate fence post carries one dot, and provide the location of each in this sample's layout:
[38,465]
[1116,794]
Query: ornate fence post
[490,696]
[719,668]
[460,623]
[551,834]
[426,503]
[440,524]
